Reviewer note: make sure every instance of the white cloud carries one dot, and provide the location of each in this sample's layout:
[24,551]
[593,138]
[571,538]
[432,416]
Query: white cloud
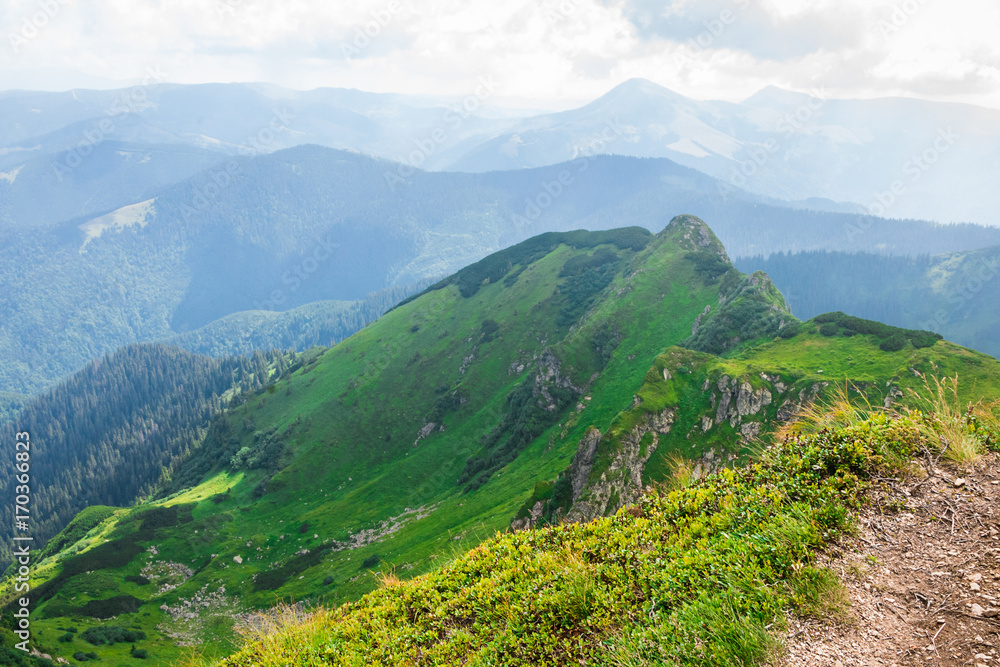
[555,51]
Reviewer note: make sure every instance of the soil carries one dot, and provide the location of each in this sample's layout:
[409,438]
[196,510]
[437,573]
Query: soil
[922,576]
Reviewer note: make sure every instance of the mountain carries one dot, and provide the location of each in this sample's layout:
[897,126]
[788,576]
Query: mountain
[949,293]
[781,144]
[279,231]
[237,118]
[321,323]
[555,379]
[49,189]
[837,155]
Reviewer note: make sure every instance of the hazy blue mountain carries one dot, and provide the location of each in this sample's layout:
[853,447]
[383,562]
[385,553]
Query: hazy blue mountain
[322,323]
[238,118]
[781,144]
[45,190]
[838,155]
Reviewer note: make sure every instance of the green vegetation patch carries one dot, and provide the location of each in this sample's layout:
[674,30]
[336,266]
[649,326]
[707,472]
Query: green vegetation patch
[111,634]
[891,339]
[82,524]
[108,608]
[695,576]
[274,578]
[750,307]
[114,554]
[499,264]
[526,418]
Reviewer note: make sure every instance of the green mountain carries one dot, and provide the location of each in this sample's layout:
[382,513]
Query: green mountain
[556,379]
[950,293]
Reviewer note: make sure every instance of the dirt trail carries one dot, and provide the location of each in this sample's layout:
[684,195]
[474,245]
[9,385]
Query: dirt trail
[924,581]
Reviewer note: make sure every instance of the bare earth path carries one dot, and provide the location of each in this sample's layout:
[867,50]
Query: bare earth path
[924,582]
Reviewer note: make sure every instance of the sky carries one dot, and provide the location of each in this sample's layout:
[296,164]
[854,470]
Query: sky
[540,53]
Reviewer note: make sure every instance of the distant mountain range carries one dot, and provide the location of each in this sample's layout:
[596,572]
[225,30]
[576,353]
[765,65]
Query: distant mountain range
[941,157]
[901,158]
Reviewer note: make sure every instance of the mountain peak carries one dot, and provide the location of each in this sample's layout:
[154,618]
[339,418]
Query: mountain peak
[637,90]
[692,232]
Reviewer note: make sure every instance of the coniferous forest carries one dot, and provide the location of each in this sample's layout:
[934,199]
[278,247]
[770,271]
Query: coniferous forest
[108,434]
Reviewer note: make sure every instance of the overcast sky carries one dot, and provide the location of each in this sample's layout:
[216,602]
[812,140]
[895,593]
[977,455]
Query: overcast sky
[547,53]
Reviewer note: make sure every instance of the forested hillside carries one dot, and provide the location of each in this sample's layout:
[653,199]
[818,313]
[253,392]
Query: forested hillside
[322,323]
[953,294]
[105,436]
[44,190]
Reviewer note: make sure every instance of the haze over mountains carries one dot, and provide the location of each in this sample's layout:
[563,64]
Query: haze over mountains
[139,214]
[780,144]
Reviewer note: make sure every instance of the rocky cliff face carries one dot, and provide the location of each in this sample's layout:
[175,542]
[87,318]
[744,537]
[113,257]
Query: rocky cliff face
[550,376]
[737,411]
[621,483]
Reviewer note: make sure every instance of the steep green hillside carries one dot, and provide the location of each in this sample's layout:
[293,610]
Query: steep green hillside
[545,381]
[706,574]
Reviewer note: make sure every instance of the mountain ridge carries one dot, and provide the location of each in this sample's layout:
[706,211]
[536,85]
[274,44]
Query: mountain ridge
[316,224]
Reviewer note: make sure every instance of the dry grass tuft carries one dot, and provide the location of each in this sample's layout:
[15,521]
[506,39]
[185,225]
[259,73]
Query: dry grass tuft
[837,410]
[282,627]
[949,420]
[389,579]
[681,473]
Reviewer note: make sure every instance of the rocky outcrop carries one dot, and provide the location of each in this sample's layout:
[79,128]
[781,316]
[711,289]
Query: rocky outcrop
[583,461]
[794,404]
[530,521]
[424,431]
[747,403]
[710,462]
[737,399]
[775,380]
[892,396]
[550,375]
[697,320]
[695,235]
[621,484]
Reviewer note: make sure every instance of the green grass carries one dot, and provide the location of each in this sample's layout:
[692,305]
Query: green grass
[694,576]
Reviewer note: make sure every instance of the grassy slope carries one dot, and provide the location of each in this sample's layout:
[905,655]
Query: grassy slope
[696,576]
[802,362]
[351,419]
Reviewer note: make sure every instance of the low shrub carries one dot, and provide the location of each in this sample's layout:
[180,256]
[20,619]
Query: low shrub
[109,635]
